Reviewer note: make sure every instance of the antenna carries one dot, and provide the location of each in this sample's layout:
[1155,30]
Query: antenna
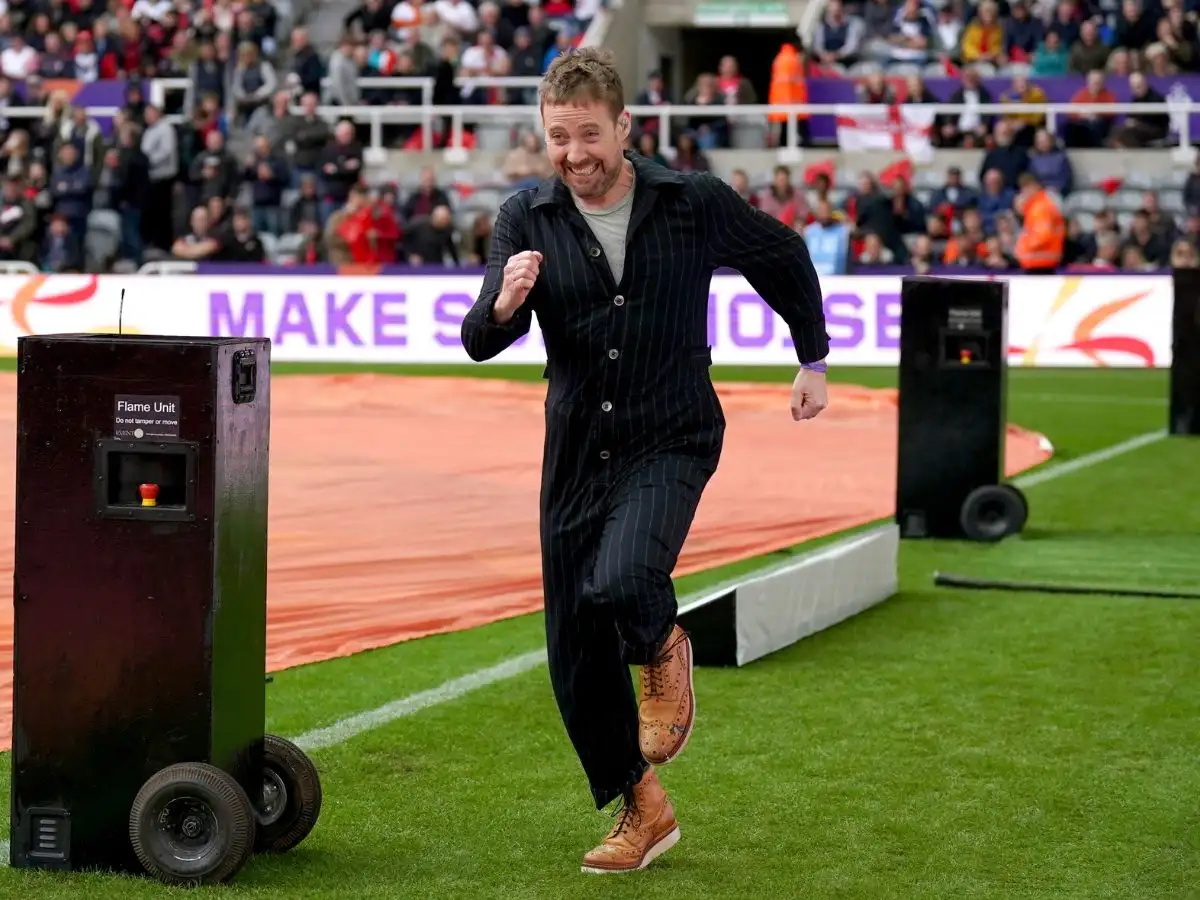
[121,314]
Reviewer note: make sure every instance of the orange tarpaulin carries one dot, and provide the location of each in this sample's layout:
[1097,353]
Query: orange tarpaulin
[402,507]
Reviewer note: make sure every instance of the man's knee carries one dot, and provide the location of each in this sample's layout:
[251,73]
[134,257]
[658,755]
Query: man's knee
[626,584]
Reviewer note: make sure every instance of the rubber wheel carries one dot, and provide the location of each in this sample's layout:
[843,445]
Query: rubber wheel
[291,796]
[1020,495]
[192,824]
[992,512]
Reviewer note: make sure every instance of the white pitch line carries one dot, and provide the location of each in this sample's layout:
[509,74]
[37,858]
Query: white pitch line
[1088,398]
[1088,460]
[341,731]
[345,729]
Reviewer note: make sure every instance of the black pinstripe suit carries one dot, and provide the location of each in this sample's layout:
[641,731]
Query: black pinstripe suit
[634,428]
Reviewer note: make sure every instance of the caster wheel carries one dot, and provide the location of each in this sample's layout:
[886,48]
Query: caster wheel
[192,824]
[993,512]
[291,796]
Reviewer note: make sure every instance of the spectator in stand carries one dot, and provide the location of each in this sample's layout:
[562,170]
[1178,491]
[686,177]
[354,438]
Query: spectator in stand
[874,253]
[1005,156]
[307,68]
[970,127]
[955,196]
[426,198]
[239,240]
[341,167]
[253,82]
[1152,247]
[911,39]
[1086,129]
[1050,163]
[983,39]
[1023,32]
[267,173]
[1024,125]
[828,241]
[1142,129]
[63,249]
[1051,57]
[18,60]
[214,172]
[301,139]
[430,240]
[995,199]
[71,188]
[688,155]
[1161,223]
[647,145]
[782,200]
[18,222]
[708,131]
[740,182]
[527,163]
[307,209]
[947,33]
[839,37]
[968,247]
[198,243]
[131,190]
[1040,246]
[1088,52]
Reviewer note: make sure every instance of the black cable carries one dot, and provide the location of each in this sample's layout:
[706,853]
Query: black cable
[946,579]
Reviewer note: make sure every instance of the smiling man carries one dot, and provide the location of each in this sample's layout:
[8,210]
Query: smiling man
[615,255]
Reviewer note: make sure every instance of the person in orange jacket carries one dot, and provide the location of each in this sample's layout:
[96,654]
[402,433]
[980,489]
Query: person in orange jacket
[1039,247]
[789,84]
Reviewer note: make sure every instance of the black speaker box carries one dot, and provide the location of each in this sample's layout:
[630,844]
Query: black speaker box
[953,383]
[1185,354]
[140,581]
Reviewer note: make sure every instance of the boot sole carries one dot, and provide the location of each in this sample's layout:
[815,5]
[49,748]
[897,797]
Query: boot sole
[687,733]
[665,843]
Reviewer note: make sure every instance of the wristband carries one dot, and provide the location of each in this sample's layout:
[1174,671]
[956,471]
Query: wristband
[820,367]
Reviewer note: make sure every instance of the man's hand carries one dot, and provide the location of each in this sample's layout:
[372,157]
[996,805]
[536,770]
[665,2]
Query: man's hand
[809,396]
[520,273]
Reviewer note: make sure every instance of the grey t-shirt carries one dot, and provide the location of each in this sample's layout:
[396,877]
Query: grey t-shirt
[611,227]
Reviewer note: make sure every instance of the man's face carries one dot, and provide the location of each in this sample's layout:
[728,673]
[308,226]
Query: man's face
[584,143]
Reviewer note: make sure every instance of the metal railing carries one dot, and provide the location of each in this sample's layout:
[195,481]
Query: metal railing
[754,115]
[426,115]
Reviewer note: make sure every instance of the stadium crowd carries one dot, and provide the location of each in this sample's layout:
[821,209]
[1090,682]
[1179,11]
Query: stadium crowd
[245,178]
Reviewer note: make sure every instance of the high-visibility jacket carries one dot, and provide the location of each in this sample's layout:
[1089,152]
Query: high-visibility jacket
[1040,244]
[788,84]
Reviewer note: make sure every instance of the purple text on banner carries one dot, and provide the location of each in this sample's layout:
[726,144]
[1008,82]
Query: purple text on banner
[364,318]
[245,315]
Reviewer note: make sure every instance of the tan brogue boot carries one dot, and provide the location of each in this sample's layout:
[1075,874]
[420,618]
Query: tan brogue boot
[645,829]
[667,706]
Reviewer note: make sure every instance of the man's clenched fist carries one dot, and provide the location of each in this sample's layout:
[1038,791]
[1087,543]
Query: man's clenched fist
[520,273]
[809,394]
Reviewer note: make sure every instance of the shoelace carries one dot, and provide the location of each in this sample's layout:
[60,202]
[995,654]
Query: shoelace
[626,814]
[654,671]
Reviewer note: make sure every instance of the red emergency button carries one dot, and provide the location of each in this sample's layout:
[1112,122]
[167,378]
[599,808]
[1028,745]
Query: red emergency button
[149,494]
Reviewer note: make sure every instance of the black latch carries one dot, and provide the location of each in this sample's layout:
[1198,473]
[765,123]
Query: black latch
[245,376]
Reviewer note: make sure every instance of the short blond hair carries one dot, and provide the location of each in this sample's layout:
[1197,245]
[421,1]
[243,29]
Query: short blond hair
[582,76]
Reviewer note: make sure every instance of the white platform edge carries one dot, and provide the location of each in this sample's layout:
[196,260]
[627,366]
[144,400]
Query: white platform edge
[803,596]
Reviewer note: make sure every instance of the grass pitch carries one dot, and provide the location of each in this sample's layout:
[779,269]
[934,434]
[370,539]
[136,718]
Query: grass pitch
[945,744]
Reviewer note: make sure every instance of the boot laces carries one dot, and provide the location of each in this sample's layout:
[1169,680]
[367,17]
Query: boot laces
[627,815]
[654,671]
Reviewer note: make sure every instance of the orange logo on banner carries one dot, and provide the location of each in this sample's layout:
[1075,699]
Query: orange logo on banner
[26,296]
[1085,340]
